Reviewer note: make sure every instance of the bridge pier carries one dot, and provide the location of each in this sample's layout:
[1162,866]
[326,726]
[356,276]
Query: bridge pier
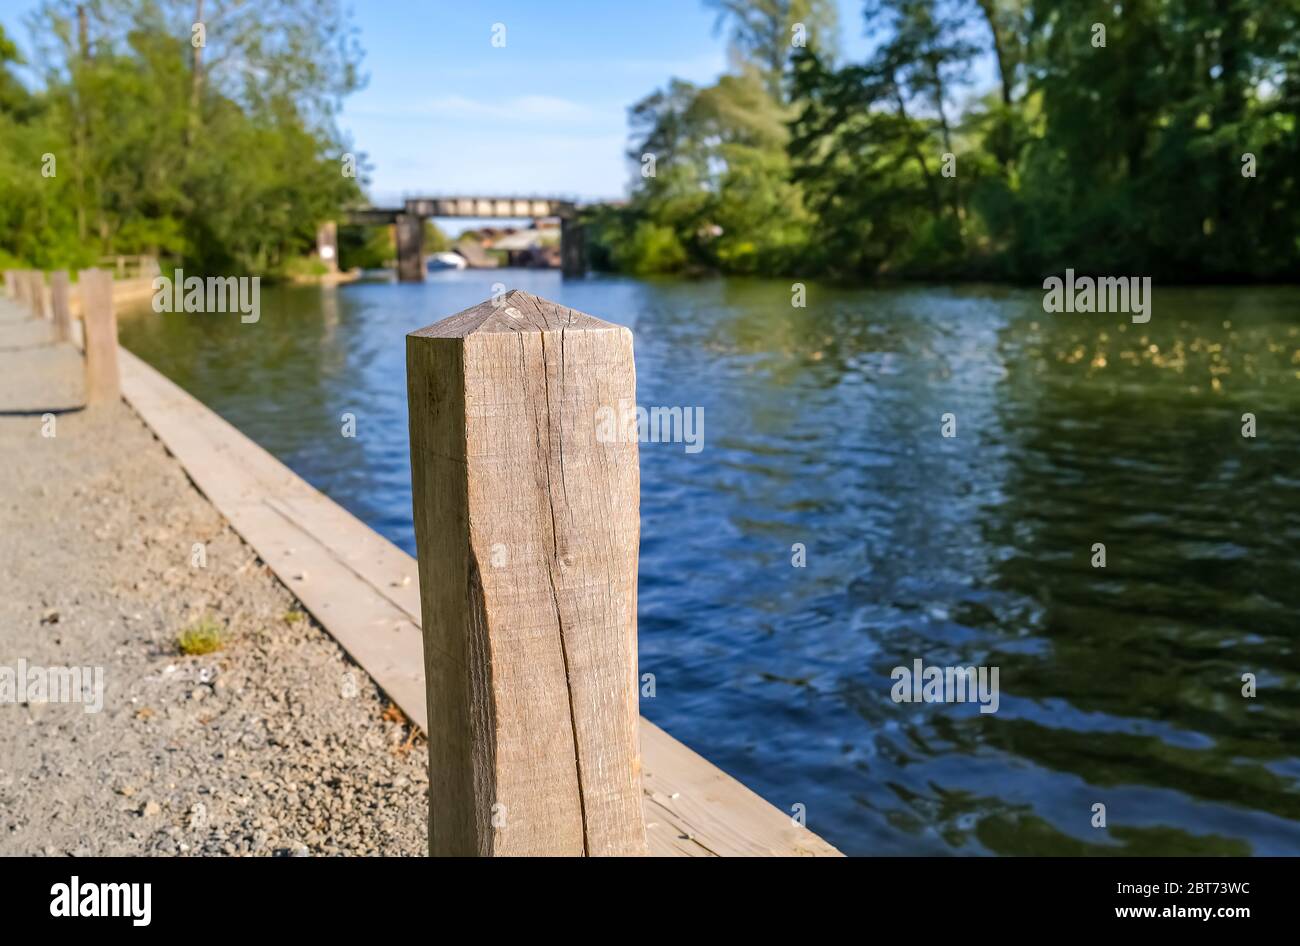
[573,247]
[410,247]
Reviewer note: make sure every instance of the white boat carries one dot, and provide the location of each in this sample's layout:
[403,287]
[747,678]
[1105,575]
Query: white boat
[446,261]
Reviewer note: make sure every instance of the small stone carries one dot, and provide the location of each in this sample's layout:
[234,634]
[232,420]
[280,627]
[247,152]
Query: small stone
[51,616]
[151,809]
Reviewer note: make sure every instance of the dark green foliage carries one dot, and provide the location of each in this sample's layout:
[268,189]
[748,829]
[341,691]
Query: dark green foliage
[1125,158]
[222,159]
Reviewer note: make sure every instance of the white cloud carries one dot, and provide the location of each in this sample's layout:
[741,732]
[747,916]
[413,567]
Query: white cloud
[649,72]
[547,108]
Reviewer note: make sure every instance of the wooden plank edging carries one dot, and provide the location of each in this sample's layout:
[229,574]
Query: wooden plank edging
[364,591]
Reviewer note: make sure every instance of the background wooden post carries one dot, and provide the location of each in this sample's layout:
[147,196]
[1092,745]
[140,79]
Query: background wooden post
[527,528]
[40,301]
[25,288]
[11,284]
[103,385]
[34,284]
[61,305]
[36,292]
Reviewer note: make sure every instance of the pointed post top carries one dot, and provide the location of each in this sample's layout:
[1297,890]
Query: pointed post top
[527,530]
[516,311]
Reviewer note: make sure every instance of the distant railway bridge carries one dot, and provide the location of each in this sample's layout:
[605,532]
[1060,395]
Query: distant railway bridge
[408,221]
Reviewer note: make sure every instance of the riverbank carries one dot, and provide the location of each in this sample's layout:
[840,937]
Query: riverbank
[276,743]
[359,587]
[823,427]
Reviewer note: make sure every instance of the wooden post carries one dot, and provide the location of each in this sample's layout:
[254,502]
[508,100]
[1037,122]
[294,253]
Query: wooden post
[527,525]
[24,286]
[61,305]
[11,284]
[36,293]
[103,385]
[41,306]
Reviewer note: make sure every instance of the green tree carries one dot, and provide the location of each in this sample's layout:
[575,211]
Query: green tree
[761,33]
[1122,157]
[223,154]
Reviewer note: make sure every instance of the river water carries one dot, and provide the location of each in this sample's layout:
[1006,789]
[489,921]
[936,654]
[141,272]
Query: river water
[1119,686]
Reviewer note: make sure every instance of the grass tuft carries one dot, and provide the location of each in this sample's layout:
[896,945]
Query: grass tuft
[202,637]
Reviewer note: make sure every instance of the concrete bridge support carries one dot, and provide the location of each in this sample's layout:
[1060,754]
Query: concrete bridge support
[410,248]
[573,247]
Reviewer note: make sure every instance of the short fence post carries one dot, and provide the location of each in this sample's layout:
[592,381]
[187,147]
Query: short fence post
[25,288]
[61,305]
[35,292]
[103,384]
[11,284]
[40,301]
[527,523]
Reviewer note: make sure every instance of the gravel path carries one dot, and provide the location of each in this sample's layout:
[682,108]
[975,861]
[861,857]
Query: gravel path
[275,744]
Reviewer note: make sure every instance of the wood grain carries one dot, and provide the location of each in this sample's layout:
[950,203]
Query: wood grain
[527,529]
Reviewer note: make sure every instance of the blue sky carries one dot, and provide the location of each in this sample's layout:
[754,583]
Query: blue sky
[445,111]
[546,113]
